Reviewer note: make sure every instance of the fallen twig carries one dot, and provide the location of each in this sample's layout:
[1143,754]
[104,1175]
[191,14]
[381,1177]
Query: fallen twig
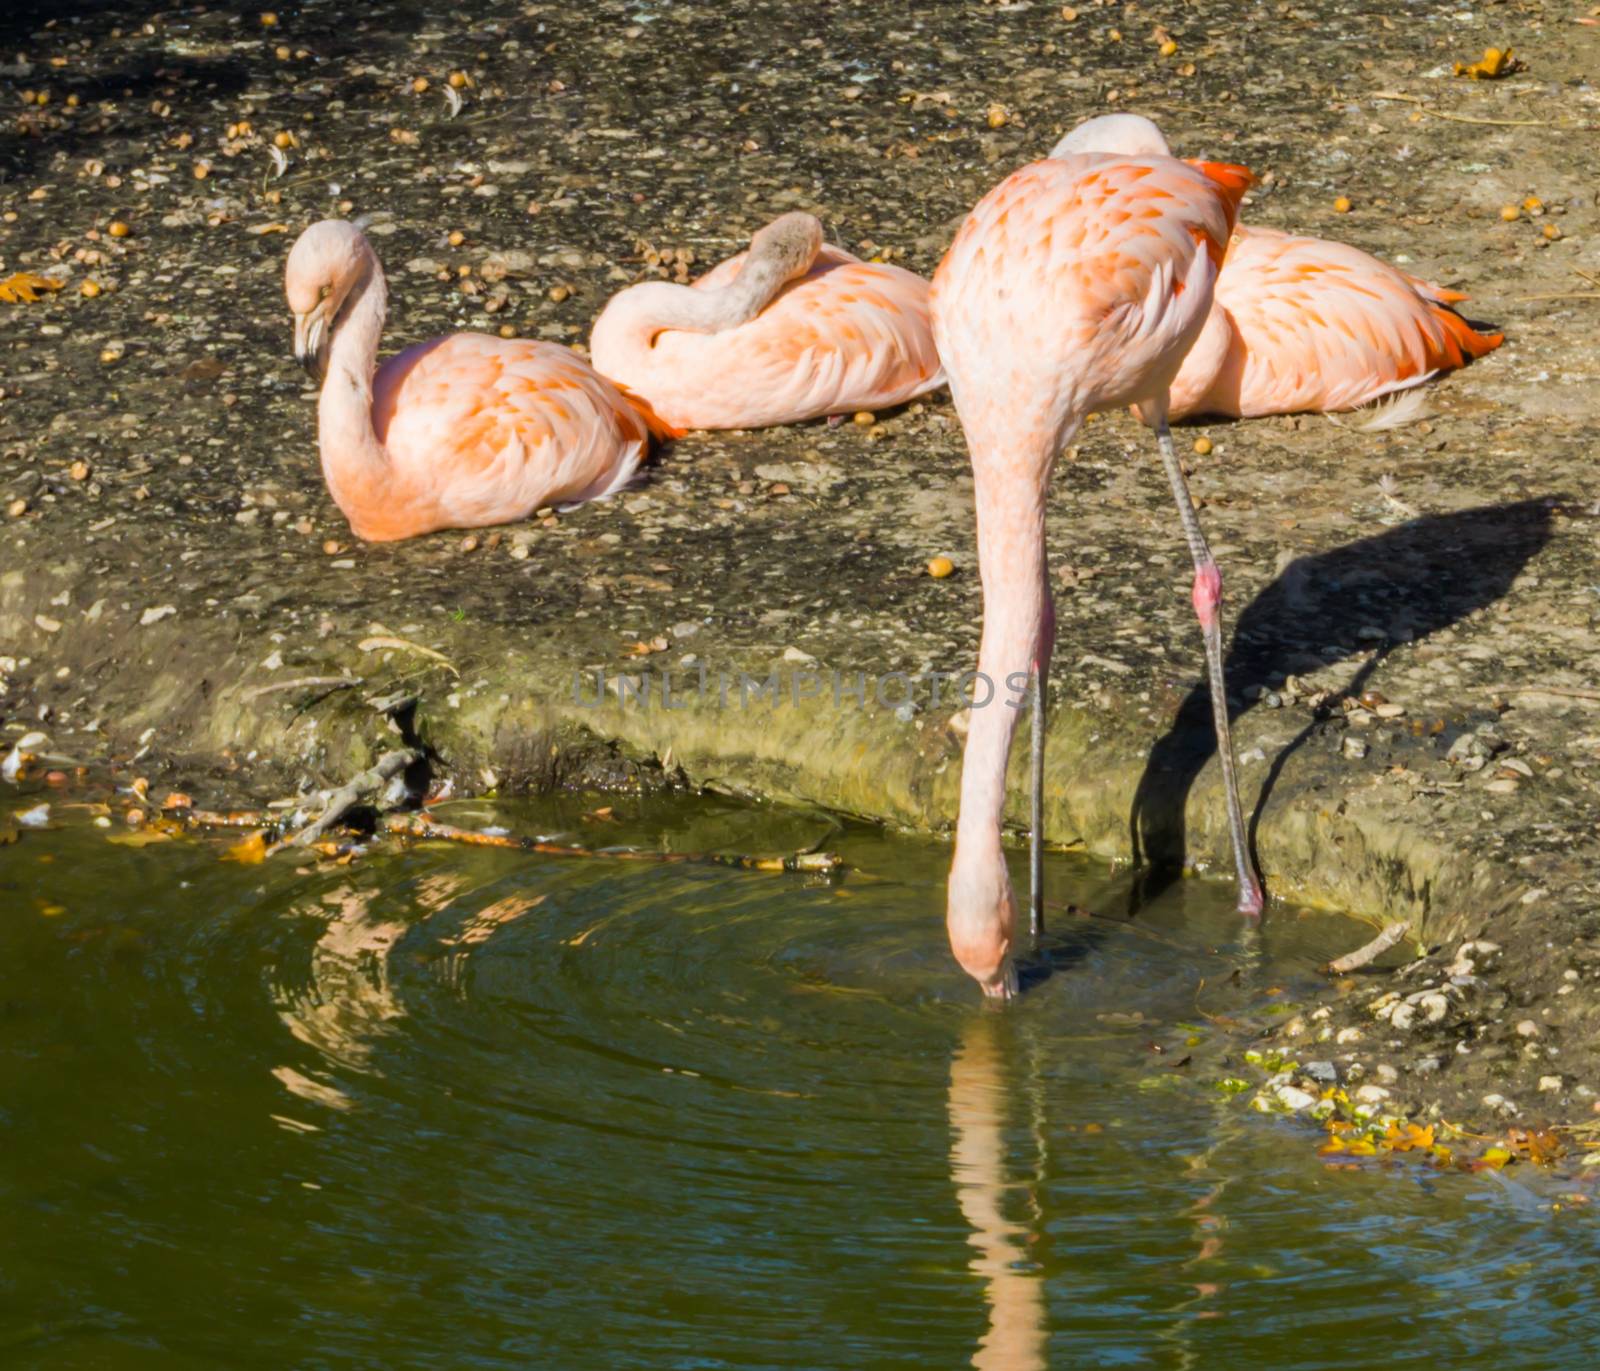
[1353,961]
[1424,108]
[349,795]
[385,640]
[1568,691]
[420,826]
[1562,295]
[302,682]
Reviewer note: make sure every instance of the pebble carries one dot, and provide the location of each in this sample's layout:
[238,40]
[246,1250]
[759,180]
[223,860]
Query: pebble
[1389,711]
[1355,748]
[1528,1029]
[1372,1094]
[1550,1084]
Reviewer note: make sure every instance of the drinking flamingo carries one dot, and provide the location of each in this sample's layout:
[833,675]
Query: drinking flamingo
[457,432]
[793,329]
[1302,324]
[1077,285]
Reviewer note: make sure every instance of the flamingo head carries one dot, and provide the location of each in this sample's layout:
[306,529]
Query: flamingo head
[325,264]
[788,245]
[1126,135]
[981,918]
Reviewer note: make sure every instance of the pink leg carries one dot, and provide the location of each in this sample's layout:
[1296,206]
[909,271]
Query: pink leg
[1207,605]
[1041,678]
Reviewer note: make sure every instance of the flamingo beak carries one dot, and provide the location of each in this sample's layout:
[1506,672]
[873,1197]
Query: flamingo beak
[311,342]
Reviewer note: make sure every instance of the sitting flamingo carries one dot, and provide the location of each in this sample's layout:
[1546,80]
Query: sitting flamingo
[1302,324]
[457,432]
[793,329]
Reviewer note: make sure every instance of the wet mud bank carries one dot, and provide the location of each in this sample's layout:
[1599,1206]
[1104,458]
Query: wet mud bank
[1414,663]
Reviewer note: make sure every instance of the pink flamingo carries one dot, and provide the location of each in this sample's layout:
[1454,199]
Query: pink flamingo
[1304,324]
[793,329]
[1077,285]
[457,432]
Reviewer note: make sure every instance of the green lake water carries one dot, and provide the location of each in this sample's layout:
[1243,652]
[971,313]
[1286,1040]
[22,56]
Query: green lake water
[462,1108]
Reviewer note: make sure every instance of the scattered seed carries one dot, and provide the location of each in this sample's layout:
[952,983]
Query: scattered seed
[865,417]
[940,567]
[1168,48]
[119,229]
[1202,447]
[420,84]
[559,293]
[89,289]
[1342,205]
[1510,212]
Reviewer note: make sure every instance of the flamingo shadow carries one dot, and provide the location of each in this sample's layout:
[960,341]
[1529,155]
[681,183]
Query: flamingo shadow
[1406,583]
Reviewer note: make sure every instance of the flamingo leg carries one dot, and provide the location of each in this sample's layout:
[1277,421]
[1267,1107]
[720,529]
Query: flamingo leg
[1207,607]
[1041,677]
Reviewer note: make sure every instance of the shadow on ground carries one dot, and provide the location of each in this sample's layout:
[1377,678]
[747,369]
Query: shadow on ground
[1407,583]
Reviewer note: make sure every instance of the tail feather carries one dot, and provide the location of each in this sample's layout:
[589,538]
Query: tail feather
[1462,341]
[1232,180]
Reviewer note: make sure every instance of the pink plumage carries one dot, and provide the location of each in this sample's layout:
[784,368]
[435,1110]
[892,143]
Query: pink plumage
[1076,285]
[458,432]
[1307,324]
[838,335]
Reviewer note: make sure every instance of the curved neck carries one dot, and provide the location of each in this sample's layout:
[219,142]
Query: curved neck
[354,462]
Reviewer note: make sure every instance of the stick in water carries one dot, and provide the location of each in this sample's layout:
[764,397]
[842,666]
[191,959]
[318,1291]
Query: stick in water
[348,796]
[1353,961]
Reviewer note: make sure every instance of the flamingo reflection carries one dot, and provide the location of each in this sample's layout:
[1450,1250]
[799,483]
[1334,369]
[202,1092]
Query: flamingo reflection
[1017,1333]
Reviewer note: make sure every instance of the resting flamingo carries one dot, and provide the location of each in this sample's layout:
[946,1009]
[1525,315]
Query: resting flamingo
[793,329]
[458,432]
[1077,285]
[1303,324]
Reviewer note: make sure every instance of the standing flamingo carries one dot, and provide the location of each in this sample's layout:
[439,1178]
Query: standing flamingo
[1302,324]
[457,432]
[1075,286]
[793,329]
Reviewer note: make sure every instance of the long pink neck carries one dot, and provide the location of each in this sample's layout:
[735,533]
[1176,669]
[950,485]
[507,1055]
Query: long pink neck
[354,462]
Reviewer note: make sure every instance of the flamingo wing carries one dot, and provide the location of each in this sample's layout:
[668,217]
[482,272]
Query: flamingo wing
[494,428]
[1084,278]
[1320,325]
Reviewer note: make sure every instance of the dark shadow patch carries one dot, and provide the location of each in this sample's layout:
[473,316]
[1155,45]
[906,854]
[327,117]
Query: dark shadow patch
[1409,582]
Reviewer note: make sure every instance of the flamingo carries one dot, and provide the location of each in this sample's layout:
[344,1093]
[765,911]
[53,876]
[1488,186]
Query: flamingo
[793,329]
[457,432]
[1303,324]
[1076,285]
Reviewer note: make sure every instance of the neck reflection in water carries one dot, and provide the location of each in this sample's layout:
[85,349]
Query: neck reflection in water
[1017,1332]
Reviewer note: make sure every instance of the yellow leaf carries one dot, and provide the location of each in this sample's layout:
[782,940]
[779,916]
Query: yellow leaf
[23,287]
[248,851]
[1496,1157]
[1361,1147]
[1494,65]
[140,837]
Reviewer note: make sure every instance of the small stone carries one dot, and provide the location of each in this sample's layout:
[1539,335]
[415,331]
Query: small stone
[1386,1073]
[1355,748]
[998,116]
[1390,711]
[156,614]
[1528,1029]
[1500,1104]
[79,471]
[469,543]
[17,508]
[559,293]
[1372,1094]
[331,548]
[1550,1084]
[1324,1073]
[1292,1097]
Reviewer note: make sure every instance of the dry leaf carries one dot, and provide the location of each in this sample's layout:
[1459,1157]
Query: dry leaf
[248,851]
[1494,65]
[23,287]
